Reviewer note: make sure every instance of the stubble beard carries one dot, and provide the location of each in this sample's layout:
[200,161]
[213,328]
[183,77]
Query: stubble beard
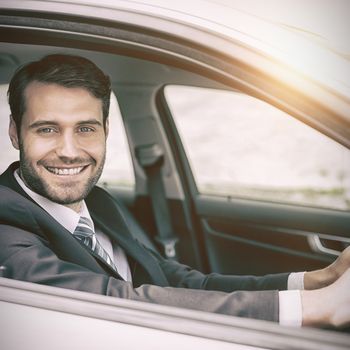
[65,194]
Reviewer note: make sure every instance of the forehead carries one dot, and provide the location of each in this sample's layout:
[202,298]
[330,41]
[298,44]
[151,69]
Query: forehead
[53,101]
[40,90]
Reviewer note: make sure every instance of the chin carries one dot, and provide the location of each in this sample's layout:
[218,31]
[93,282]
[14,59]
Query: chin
[68,198]
[65,194]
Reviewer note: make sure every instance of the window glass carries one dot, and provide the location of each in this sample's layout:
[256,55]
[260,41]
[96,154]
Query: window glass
[8,153]
[240,146]
[118,169]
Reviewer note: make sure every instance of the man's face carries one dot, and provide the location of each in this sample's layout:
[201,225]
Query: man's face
[62,142]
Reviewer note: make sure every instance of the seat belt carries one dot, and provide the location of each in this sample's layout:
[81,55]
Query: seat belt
[151,158]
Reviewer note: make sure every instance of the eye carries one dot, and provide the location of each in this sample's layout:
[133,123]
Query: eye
[86,129]
[46,130]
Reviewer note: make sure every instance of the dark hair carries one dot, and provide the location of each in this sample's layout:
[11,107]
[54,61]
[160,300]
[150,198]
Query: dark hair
[64,70]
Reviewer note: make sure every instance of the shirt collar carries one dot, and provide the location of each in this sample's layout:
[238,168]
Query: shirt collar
[67,217]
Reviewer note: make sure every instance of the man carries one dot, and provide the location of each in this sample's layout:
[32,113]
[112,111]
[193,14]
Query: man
[57,228]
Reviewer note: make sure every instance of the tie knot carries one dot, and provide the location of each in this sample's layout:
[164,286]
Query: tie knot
[85,222]
[84,228]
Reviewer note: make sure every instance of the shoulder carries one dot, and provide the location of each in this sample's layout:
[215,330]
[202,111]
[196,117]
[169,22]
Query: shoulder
[99,193]
[15,240]
[19,212]
[102,203]
[20,236]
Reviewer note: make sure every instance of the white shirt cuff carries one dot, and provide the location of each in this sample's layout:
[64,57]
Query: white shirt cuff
[290,310]
[296,281]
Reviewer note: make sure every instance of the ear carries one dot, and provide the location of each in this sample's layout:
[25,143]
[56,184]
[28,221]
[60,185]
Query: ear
[13,133]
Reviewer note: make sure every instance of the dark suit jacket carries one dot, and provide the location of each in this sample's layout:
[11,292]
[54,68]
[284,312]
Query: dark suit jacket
[35,247]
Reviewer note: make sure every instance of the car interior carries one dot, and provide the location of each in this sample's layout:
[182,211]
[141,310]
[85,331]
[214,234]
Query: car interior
[213,233]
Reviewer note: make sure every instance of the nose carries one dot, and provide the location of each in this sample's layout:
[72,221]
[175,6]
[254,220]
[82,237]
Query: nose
[67,146]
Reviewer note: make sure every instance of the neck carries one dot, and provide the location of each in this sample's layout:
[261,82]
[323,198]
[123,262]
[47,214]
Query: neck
[74,206]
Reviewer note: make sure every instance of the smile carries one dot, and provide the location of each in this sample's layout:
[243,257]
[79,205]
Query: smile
[65,171]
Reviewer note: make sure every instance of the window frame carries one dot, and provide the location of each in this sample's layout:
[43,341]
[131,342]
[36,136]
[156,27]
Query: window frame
[134,40]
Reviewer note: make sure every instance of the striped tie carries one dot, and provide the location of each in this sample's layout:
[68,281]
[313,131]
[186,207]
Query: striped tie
[85,234]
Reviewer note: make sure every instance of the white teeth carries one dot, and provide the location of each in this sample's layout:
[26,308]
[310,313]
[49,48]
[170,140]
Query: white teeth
[65,171]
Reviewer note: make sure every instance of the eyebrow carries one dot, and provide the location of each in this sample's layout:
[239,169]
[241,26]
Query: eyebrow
[40,123]
[90,121]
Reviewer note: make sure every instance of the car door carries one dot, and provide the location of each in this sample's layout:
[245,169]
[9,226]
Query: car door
[268,193]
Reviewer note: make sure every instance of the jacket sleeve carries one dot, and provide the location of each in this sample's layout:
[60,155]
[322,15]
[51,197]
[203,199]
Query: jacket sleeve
[28,257]
[183,276]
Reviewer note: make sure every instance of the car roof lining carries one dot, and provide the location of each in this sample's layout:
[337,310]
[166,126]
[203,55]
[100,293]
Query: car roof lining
[122,69]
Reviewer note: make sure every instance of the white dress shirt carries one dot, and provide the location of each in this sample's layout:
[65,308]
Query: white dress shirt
[290,309]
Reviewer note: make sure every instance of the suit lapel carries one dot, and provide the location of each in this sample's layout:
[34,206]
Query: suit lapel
[107,215]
